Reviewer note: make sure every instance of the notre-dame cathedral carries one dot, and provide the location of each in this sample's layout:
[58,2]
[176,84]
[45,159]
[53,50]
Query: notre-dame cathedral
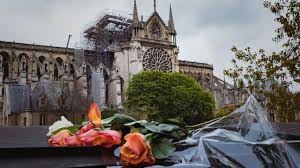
[41,83]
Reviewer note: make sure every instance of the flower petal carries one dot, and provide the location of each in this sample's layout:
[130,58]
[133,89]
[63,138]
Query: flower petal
[136,143]
[136,151]
[110,138]
[72,141]
[58,125]
[94,115]
[59,138]
[88,137]
[86,128]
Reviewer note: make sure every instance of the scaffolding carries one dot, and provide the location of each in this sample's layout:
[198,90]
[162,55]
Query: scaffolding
[108,35]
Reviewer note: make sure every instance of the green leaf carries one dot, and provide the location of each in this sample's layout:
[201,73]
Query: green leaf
[153,127]
[120,120]
[162,148]
[117,121]
[167,127]
[108,120]
[140,122]
[149,137]
[72,129]
[148,125]
[84,123]
[142,130]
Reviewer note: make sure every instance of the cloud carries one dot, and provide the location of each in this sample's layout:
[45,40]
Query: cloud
[207,29]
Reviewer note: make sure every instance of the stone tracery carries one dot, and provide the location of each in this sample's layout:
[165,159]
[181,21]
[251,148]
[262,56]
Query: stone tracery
[157,59]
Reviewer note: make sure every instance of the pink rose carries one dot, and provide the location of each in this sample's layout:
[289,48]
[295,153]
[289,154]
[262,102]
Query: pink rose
[106,138]
[64,138]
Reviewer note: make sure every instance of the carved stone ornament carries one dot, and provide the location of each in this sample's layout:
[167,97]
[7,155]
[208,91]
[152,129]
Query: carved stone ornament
[157,59]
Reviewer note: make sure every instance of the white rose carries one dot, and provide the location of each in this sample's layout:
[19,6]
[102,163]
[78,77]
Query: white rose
[59,124]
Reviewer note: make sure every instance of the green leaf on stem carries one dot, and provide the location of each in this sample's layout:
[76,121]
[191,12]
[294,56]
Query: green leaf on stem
[162,148]
[140,122]
[167,127]
[120,120]
[153,126]
[108,120]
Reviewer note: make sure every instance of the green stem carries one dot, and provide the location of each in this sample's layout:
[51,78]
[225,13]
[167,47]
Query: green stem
[203,124]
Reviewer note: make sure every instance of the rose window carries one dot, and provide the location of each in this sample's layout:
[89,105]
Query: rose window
[157,59]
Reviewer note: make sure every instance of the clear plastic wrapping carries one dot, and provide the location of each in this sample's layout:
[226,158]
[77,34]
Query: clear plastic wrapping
[245,138]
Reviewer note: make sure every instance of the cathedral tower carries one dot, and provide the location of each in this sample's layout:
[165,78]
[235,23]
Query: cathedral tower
[153,45]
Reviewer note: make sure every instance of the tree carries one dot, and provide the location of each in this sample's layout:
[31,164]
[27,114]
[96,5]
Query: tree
[159,96]
[269,76]
[287,14]
[285,103]
[257,70]
[265,79]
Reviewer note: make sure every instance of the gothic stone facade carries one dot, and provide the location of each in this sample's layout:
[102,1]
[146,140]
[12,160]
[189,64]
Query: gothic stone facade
[41,83]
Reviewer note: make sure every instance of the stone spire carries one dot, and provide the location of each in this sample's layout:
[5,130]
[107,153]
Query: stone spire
[171,26]
[135,15]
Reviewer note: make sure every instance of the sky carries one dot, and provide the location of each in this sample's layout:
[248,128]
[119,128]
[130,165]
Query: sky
[207,29]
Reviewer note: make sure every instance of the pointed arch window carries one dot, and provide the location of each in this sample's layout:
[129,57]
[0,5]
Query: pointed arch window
[155,30]
[56,77]
[5,64]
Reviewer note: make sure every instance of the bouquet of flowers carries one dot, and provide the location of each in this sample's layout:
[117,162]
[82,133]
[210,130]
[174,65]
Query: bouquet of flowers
[141,142]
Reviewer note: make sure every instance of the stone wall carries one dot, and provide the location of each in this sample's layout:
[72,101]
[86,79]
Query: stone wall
[30,64]
[26,64]
[224,93]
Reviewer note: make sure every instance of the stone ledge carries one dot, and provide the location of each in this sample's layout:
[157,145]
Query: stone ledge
[195,64]
[26,46]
